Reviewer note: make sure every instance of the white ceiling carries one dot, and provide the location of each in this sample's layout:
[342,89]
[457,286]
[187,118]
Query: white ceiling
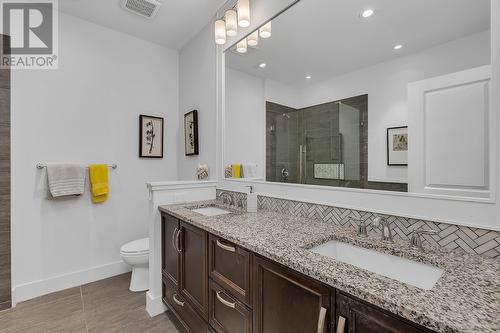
[326,38]
[176,23]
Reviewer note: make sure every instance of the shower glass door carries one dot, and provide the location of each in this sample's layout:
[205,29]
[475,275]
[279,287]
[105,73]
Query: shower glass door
[319,145]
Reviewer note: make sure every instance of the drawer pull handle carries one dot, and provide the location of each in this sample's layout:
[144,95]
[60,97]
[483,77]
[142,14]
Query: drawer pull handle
[341,324]
[178,241]
[179,303]
[223,301]
[321,320]
[173,239]
[226,247]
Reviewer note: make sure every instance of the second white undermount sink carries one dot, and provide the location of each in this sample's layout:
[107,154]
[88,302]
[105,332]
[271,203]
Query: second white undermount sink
[404,270]
[210,211]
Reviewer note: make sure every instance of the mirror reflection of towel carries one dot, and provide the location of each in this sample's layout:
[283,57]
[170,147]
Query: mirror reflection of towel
[249,170]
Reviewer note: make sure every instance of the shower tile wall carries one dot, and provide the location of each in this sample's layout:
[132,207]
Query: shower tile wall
[5,288]
[332,133]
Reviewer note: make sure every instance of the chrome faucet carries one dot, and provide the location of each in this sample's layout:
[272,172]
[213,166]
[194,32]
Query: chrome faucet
[226,195]
[361,226]
[416,240]
[381,222]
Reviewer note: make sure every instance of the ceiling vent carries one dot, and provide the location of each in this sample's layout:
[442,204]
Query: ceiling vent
[144,8]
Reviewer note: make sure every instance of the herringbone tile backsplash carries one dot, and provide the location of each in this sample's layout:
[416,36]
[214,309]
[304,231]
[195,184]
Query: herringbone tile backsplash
[450,236]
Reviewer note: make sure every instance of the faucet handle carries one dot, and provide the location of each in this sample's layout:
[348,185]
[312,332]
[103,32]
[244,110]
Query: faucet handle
[362,232]
[377,220]
[416,240]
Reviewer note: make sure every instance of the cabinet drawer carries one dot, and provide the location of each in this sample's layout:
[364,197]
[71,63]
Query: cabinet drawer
[227,314]
[182,310]
[230,268]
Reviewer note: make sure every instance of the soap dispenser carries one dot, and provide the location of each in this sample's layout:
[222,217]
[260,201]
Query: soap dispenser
[251,201]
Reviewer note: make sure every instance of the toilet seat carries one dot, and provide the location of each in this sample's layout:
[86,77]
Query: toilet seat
[136,248]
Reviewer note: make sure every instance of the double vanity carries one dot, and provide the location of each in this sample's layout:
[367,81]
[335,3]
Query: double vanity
[226,270]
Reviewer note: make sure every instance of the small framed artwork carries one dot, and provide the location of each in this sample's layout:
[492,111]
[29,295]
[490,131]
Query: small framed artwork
[191,133]
[397,146]
[150,136]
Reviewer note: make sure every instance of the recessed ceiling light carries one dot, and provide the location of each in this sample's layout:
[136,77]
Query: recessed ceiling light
[262,65]
[398,47]
[308,77]
[367,13]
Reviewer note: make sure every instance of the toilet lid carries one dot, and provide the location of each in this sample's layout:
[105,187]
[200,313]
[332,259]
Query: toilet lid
[137,246]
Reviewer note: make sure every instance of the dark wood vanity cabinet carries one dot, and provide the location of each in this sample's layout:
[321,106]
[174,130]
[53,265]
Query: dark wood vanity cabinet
[185,272]
[356,316]
[287,301]
[213,285]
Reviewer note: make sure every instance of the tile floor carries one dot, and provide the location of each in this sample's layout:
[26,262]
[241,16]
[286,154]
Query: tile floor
[102,306]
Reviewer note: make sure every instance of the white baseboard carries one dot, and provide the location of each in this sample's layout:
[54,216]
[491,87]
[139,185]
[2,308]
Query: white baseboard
[154,305]
[38,288]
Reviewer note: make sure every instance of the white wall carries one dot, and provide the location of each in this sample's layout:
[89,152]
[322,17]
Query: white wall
[86,111]
[245,120]
[197,79]
[387,87]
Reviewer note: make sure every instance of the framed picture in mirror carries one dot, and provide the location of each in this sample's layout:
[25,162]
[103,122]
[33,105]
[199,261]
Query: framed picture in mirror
[397,146]
[191,133]
[150,137]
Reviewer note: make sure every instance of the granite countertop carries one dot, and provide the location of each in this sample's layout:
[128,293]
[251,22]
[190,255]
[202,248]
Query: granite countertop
[465,299]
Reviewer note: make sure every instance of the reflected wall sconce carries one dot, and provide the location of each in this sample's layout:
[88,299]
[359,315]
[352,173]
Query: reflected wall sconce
[231,18]
[220,32]
[241,47]
[243,13]
[253,38]
[265,30]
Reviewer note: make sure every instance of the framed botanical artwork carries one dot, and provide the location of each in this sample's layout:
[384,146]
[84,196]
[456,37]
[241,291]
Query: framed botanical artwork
[191,133]
[150,136]
[397,146]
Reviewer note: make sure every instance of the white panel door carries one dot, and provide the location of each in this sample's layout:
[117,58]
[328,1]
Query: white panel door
[449,135]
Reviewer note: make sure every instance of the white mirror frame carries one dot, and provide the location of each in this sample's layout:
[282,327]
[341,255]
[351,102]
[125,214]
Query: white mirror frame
[472,212]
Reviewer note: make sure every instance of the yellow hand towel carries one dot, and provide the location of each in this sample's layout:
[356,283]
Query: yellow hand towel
[99,188]
[236,170]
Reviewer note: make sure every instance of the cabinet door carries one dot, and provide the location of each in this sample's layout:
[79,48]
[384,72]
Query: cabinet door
[355,316]
[194,267]
[286,301]
[171,256]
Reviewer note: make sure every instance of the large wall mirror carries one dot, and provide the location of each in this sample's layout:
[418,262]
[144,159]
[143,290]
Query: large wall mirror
[379,95]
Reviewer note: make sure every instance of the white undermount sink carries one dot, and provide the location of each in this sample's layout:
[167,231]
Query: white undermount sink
[407,271]
[210,211]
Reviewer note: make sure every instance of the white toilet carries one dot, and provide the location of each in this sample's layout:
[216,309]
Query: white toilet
[136,254]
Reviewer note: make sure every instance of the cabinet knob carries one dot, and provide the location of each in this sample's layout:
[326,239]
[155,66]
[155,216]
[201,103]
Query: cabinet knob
[321,320]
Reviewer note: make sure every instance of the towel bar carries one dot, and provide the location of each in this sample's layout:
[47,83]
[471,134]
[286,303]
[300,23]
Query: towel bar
[41,166]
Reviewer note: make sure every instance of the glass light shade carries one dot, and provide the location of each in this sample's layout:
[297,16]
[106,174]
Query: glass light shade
[241,47]
[243,13]
[231,22]
[253,39]
[265,30]
[220,32]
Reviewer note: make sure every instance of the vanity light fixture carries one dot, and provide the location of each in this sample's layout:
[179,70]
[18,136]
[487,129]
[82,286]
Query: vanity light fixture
[308,77]
[398,47]
[262,65]
[243,13]
[253,38]
[220,32]
[367,13]
[231,18]
[265,30]
[241,47]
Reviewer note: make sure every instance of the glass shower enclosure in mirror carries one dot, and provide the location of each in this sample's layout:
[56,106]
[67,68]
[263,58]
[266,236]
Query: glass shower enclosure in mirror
[314,103]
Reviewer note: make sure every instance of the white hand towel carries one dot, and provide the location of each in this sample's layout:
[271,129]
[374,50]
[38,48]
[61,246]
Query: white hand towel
[249,170]
[66,179]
